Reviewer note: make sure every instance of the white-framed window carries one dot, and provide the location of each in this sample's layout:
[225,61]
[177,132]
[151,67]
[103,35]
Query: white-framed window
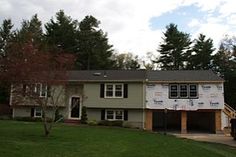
[183,91]
[114,90]
[41,89]
[37,112]
[114,114]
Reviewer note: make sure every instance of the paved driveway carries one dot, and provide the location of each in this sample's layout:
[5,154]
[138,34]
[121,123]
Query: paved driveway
[216,138]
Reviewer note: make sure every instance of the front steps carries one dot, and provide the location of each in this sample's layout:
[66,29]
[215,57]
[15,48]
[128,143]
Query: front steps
[72,121]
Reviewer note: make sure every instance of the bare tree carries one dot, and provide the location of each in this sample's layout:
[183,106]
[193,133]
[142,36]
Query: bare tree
[37,77]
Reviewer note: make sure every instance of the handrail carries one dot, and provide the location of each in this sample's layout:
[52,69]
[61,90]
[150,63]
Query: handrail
[229,111]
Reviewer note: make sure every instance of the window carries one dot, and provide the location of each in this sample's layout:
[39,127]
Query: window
[192,91]
[41,89]
[174,91]
[178,91]
[114,114]
[109,90]
[37,112]
[183,91]
[114,90]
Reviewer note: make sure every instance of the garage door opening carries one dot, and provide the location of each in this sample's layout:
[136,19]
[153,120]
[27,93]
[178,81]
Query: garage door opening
[173,120]
[201,121]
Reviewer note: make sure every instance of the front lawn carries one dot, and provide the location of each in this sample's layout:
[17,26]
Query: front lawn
[25,139]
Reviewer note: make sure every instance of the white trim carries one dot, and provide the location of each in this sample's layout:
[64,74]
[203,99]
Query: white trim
[114,114]
[41,113]
[114,90]
[80,107]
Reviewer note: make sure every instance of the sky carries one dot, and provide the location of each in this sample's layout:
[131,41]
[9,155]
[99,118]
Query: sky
[135,26]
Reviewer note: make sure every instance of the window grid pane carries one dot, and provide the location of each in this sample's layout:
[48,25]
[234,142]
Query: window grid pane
[193,91]
[174,91]
[109,90]
[110,115]
[119,115]
[183,91]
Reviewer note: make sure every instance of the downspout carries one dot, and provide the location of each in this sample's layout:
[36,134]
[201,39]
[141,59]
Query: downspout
[144,103]
[144,99]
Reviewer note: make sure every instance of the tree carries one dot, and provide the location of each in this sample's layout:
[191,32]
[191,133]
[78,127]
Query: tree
[224,63]
[36,77]
[174,48]
[30,29]
[126,61]
[6,35]
[94,51]
[201,55]
[61,34]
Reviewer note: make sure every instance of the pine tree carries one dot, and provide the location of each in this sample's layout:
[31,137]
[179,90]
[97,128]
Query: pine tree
[30,30]
[174,48]
[6,35]
[61,34]
[94,51]
[201,56]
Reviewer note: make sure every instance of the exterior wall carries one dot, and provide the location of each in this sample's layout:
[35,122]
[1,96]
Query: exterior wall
[26,111]
[93,100]
[21,112]
[210,96]
[17,98]
[135,117]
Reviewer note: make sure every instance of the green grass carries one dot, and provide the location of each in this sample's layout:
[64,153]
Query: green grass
[25,139]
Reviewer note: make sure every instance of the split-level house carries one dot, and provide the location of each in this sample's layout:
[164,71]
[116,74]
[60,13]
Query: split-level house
[149,100]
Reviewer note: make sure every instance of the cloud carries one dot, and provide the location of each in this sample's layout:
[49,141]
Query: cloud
[127,22]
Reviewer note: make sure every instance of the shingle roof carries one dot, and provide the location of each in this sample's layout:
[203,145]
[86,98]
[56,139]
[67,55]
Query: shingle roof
[143,75]
[107,75]
[183,76]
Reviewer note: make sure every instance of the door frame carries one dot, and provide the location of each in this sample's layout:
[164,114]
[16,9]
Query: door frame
[80,107]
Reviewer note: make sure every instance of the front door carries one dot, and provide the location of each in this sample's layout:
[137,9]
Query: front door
[75,108]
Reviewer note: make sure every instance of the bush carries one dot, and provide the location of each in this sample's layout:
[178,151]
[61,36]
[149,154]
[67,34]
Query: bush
[92,122]
[84,116]
[28,119]
[5,117]
[127,125]
[58,116]
[111,123]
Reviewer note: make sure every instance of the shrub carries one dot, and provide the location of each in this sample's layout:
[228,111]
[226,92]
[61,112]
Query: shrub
[5,117]
[111,123]
[28,119]
[58,116]
[127,125]
[92,122]
[84,116]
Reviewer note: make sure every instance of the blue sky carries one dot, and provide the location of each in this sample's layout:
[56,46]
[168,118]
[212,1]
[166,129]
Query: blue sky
[135,26]
[180,16]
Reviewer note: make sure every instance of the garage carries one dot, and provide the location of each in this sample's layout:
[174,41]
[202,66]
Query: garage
[200,121]
[173,120]
[192,121]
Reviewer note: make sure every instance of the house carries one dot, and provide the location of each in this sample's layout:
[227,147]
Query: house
[142,99]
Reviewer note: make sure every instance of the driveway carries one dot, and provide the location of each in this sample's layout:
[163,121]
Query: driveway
[216,138]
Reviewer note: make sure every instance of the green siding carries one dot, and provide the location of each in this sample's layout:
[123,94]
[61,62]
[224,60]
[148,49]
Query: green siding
[92,97]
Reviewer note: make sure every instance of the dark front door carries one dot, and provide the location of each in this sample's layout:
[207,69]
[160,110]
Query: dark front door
[75,107]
